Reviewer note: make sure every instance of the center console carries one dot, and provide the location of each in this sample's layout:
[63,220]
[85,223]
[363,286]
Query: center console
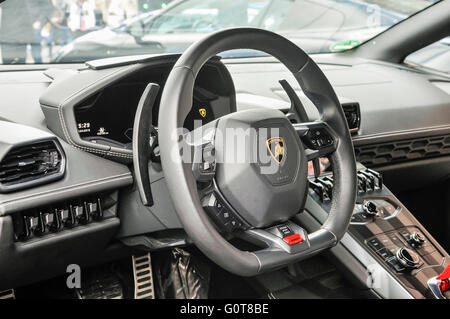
[399,257]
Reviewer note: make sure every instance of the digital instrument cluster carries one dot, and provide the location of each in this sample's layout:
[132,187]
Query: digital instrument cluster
[108,115]
[111,117]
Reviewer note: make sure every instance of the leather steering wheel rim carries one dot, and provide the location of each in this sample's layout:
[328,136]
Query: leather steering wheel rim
[176,101]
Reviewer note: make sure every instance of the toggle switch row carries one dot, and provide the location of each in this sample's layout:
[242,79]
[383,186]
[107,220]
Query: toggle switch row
[368,181]
[42,221]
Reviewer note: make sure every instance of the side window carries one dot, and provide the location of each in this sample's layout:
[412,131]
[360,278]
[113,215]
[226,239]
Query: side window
[436,56]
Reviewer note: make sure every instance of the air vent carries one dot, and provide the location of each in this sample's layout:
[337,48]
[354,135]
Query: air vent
[403,150]
[352,115]
[31,164]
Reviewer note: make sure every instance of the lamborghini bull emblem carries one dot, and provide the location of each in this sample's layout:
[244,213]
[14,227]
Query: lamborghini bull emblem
[202,112]
[276,148]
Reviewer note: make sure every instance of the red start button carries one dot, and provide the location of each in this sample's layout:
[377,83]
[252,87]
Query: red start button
[293,239]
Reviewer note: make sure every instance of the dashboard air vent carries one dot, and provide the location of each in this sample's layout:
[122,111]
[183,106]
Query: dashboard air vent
[352,115]
[403,150]
[31,164]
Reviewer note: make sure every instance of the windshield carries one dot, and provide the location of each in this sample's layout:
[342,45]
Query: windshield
[67,31]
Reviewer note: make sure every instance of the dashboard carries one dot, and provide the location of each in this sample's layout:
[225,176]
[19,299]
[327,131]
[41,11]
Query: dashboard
[108,115]
[90,109]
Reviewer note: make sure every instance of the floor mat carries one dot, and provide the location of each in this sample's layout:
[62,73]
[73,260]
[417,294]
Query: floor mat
[225,285]
[102,282]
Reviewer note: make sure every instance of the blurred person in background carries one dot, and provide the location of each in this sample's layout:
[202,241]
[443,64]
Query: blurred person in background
[81,17]
[57,30]
[102,6]
[120,10]
[60,32]
[21,24]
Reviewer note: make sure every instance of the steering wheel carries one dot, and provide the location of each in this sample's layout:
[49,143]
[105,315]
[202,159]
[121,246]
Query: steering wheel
[245,198]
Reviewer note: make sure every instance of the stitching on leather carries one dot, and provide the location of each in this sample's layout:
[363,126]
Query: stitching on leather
[259,261]
[85,148]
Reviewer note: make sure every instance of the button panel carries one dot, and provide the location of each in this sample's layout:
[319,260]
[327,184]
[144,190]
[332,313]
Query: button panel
[222,215]
[425,249]
[285,230]
[387,246]
[204,166]
[319,138]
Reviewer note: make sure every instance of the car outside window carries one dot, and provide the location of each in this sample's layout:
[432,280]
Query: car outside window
[436,56]
[74,31]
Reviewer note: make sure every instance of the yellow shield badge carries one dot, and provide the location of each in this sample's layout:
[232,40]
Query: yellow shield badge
[202,112]
[277,148]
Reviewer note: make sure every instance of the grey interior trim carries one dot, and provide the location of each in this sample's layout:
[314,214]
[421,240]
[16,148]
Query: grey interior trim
[410,35]
[70,191]
[98,175]
[405,134]
[47,257]
[95,175]
[415,102]
[9,135]
[412,100]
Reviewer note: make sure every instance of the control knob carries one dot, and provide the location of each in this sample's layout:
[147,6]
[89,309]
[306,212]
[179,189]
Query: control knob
[416,240]
[407,258]
[370,208]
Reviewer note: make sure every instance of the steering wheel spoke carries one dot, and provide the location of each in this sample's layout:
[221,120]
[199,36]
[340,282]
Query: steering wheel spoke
[288,237]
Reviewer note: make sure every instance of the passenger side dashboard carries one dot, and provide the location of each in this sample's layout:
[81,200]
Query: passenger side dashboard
[405,113]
